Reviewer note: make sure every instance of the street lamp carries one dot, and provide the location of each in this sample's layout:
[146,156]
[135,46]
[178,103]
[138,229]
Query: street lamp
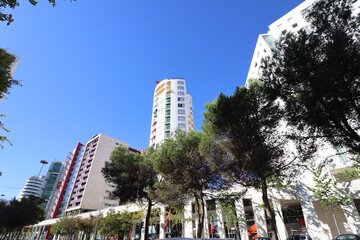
[43,162]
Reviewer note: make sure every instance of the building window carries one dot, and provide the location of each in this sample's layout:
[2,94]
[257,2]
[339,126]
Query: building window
[180,82]
[182,125]
[181,118]
[181,111]
[181,99]
[294,25]
[181,105]
[181,93]
[180,87]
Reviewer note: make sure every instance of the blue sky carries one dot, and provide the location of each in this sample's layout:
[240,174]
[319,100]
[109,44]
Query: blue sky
[89,67]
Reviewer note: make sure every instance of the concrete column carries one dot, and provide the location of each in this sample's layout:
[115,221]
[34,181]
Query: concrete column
[220,217]
[240,213]
[206,222]
[259,214]
[313,224]
[162,222]
[188,226]
[279,218]
[143,229]
[39,230]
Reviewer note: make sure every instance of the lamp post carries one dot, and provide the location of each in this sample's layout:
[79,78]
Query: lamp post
[43,162]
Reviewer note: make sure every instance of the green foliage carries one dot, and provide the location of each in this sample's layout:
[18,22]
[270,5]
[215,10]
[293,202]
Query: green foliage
[134,176]
[316,72]
[68,225]
[3,138]
[6,82]
[325,190]
[116,223]
[13,4]
[247,127]
[17,214]
[183,168]
[132,173]
[185,173]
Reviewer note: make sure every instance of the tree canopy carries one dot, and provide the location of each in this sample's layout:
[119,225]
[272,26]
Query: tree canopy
[17,214]
[316,73]
[6,17]
[116,224]
[134,177]
[185,173]
[248,127]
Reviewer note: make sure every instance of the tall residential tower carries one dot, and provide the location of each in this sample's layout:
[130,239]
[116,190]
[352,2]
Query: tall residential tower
[172,109]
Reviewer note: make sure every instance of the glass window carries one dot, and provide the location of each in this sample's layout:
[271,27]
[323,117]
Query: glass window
[181,105]
[181,118]
[182,125]
[181,93]
[180,87]
[180,82]
[181,111]
[181,99]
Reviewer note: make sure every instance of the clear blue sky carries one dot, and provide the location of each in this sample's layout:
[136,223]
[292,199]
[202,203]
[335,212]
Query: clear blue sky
[89,67]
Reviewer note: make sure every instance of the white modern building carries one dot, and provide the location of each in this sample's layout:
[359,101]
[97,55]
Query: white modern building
[172,109]
[32,187]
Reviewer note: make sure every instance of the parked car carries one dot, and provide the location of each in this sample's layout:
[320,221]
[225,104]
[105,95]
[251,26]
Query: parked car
[262,238]
[299,237]
[347,237]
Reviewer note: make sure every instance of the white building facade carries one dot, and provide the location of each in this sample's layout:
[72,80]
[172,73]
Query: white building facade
[172,109]
[32,187]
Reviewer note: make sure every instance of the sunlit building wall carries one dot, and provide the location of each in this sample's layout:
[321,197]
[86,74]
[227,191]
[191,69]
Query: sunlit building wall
[172,109]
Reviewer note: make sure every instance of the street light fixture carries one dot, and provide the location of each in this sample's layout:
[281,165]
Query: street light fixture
[43,162]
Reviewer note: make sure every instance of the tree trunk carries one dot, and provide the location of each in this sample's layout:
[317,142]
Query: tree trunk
[147,220]
[269,211]
[335,220]
[201,214]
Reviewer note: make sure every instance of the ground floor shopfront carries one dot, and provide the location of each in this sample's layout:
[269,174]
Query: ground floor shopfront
[241,218]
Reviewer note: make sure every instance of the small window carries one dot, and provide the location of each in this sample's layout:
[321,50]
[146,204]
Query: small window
[181,118]
[181,93]
[182,125]
[180,82]
[294,25]
[181,111]
[181,99]
[180,87]
[181,105]
[283,32]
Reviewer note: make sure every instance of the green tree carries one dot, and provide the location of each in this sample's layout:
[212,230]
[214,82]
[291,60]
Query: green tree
[6,82]
[87,225]
[316,73]
[5,17]
[134,176]
[247,126]
[66,226]
[18,214]
[185,173]
[327,193]
[116,224]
